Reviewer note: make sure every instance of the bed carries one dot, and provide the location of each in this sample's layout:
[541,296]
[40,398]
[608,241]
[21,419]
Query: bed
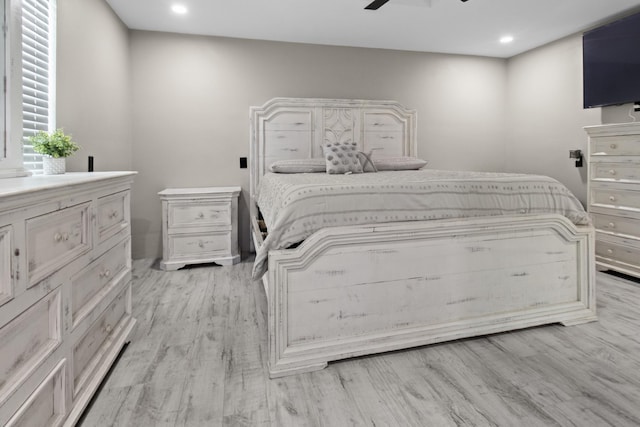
[402,281]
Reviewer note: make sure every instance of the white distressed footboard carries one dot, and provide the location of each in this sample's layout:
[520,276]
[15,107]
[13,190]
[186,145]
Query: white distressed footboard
[351,291]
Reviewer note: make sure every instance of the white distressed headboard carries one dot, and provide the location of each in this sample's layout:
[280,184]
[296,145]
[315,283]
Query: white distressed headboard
[294,128]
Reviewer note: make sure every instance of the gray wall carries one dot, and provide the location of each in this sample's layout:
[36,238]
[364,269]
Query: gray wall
[94,84]
[546,117]
[191,99]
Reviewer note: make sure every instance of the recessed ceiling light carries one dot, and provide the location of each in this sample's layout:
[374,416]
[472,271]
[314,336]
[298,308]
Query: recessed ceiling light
[179,9]
[506,39]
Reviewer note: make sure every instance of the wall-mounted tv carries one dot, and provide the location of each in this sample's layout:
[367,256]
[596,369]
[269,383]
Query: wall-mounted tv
[611,63]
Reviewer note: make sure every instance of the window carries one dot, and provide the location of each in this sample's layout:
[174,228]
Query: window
[38,78]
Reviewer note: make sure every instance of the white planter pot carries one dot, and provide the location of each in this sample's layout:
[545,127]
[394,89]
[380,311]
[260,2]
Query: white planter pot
[53,165]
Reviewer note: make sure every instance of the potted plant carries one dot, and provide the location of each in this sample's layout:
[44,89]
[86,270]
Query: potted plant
[55,146]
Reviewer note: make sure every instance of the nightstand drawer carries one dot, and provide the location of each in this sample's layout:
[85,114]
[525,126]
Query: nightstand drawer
[616,225]
[55,239]
[619,145]
[28,340]
[91,285]
[112,214]
[624,171]
[183,215]
[205,245]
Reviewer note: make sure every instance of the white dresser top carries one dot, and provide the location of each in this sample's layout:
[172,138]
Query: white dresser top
[20,186]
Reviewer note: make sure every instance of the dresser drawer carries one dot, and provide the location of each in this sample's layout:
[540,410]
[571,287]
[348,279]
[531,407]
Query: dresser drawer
[27,340]
[55,239]
[615,198]
[91,285]
[618,251]
[97,340]
[112,214]
[616,225]
[620,145]
[46,406]
[6,269]
[623,171]
[201,245]
[192,214]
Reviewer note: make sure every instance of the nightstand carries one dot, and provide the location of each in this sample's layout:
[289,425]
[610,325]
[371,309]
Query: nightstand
[199,225]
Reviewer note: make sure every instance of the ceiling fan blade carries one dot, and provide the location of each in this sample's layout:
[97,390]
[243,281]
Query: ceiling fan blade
[376,4]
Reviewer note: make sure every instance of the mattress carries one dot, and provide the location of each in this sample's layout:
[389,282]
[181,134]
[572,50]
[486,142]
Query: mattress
[294,206]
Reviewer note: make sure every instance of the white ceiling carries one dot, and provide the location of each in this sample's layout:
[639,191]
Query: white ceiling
[449,26]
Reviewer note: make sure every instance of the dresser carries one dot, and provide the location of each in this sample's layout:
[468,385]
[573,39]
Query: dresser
[65,292]
[199,225]
[614,195]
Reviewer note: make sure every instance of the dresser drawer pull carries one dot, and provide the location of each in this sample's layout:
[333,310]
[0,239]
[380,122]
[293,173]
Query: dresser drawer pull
[108,328]
[113,215]
[105,273]
[200,243]
[612,225]
[613,146]
[612,198]
[200,215]
[609,251]
[57,237]
[612,172]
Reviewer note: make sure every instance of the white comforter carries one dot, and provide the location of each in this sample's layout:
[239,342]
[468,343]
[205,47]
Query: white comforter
[294,206]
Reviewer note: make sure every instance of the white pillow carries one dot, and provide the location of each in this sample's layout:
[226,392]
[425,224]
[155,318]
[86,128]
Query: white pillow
[299,166]
[399,163]
[342,158]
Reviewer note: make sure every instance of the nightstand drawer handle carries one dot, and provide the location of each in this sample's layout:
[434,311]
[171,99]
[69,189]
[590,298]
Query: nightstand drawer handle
[612,198]
[201,243]
[612,225]
[613,146]
[105,273]
[612,172]
[113,215]
[57,237]
[200,215]
[609,251]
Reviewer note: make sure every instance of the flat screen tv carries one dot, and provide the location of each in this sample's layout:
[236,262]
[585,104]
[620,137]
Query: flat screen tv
[611,63]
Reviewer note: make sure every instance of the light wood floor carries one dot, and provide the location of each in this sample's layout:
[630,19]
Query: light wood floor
[197,358]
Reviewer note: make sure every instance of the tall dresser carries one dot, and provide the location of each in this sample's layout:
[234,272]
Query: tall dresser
[614,195]
[65,293]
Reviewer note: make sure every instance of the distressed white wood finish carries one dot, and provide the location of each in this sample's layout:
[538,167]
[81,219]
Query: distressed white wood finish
[70,267]
[46,406]
[6,268]
[112,214]
[199,225]
[614,195]
[359,290]
[351,291]
[55,239]
[27,341]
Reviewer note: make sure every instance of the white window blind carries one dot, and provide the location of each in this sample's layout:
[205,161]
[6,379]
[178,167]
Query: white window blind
[37,76]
